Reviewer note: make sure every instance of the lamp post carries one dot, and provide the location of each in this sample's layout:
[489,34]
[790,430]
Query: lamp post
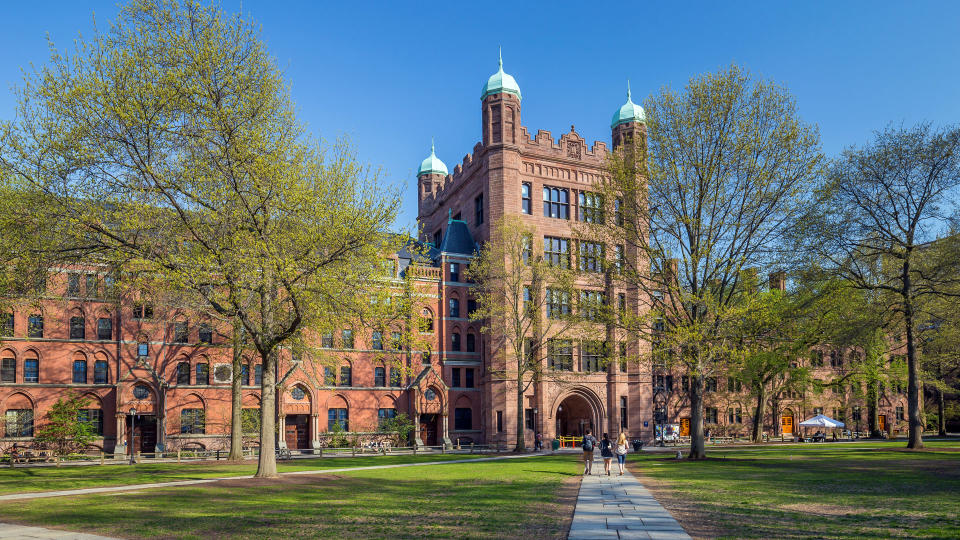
[133,426]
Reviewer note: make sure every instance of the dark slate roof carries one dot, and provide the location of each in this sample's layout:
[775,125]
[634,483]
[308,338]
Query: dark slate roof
[458,239]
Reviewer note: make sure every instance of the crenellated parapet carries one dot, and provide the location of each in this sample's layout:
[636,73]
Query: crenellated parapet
[571,146]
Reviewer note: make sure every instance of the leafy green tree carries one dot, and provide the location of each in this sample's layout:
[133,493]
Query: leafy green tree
[399,428]
[65,429]
[725,168]
[169,143]
[883,203]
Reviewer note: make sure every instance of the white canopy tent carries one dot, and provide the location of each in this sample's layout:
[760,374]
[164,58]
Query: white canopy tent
[822,421]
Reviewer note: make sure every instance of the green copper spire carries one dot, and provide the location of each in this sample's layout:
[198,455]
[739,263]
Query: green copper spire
[501,82]
[432,165]
[629,112]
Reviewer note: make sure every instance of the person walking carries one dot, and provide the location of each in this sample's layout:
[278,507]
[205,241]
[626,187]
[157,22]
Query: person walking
[588,443]
[621,451]
[538,442]
[606,452]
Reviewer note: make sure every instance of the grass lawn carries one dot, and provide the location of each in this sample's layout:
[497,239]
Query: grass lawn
[528,497]
[817,490]
[31,479]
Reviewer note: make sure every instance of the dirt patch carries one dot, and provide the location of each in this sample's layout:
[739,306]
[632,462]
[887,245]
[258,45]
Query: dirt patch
[285,480]
[566,504]
[824,510]
[697,523]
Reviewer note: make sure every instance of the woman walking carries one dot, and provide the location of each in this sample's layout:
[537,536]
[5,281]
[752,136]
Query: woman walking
[606,452]
[621,451]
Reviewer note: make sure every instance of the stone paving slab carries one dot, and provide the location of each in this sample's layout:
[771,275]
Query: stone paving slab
[9,531]
[620,507]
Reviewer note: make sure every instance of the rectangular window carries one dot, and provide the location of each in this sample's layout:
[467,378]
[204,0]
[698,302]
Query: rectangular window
[560,354]
[618,260]
[80,371]
[78,328]
[618,211]
[478,209]
[899,412]
[192,421]
[527,247]
[346,376]
[437,238]
[244,375]
[181,333]
[556,203]
[396,377]
[93,418]
[205,333]
[19,423]
[142,311]
[558,303]
[8,370]
[6,325]
[623,412]
[385,414]
[499,421]
[203,373]
[468,378]
[471,306]
[91,286]
[462,418]
[396,341]
[621,306]
[455,342]
[454,308]
[376,341]
[31,370]
[329,376]
[685,383]
[839,414]
[528,419]
[592,304]
[590,208]
[347,339]
[73,285]
[734,416]
[35,326]
[104,328]
[591,257]
[258,374]
[556,251]
[709,415]
[526,205]
[183,373]
[326,340]
[817,410]
[623,357]
[471,343]
[337,416]
[456,378]
[454,271]
[591,356]
[380,377]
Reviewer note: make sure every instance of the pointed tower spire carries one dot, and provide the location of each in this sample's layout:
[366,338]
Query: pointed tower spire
[628,90]
[500,54]
[432,153]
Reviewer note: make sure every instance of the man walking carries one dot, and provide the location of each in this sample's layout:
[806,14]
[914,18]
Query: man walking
[588,443]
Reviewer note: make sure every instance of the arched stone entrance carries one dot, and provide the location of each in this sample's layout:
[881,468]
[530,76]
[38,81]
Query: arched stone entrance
[576,413]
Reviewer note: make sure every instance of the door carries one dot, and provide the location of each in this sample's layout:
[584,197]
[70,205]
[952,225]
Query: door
[297,432]
[786,425]
[684,427]
[144,432]
[428,429]
[882,421]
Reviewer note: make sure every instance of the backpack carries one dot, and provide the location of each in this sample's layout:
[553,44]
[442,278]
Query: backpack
[587,443]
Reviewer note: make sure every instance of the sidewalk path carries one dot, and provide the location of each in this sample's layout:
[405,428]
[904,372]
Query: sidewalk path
[620,507]
[21,532]
[138,487]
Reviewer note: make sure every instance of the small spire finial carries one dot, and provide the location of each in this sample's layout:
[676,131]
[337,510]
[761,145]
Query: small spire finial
[628,89]
[431,147]
[449,215]
[500,54]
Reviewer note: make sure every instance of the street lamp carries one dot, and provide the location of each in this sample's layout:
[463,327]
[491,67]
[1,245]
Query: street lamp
[133,426]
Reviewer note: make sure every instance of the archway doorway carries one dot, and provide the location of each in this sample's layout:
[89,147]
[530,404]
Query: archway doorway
[575,416]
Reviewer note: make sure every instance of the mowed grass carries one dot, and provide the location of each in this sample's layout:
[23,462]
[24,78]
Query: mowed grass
[35,479]
[812,491]
[525,497]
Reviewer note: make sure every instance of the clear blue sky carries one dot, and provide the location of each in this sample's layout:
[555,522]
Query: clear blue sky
[392,75]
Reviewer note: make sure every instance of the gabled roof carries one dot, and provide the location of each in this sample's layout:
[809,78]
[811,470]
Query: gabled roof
[458,239]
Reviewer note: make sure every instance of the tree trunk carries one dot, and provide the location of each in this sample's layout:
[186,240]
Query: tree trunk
[757,435]
[913,368]
[941,412]
[873,408]
[697,450]
[521,425]
[236,404]
[267,465]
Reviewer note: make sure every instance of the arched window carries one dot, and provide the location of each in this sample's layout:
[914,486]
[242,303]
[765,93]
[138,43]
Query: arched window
[463,418]
[454,307]
[8,367]
[104,328]
[79,368]
[205,332]
[385,414]
[258,374]
[329,376]
[426,321]
[245,374]
[396,377]
[19,423]
[336,416]
[92,417]
[78,326]
[346,375]
[183,372]
[193,421]
[203,373]
[101,374]
[379,376]
[31,368]
[455,341]
[471,342]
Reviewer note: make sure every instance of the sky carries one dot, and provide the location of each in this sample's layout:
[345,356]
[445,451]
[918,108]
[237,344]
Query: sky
[390,76]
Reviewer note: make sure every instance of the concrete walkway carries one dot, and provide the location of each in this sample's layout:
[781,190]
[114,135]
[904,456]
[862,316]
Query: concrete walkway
[620,507]
[138,487]
[22,532]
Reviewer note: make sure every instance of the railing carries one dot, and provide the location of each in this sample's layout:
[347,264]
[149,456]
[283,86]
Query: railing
[568,441]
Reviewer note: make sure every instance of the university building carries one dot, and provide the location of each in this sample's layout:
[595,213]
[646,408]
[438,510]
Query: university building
[159,377]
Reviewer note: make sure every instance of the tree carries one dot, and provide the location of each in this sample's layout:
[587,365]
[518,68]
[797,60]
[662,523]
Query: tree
[523,301]
[884,202]
[399,428]
[66,429]
[169,142]
[724,170]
